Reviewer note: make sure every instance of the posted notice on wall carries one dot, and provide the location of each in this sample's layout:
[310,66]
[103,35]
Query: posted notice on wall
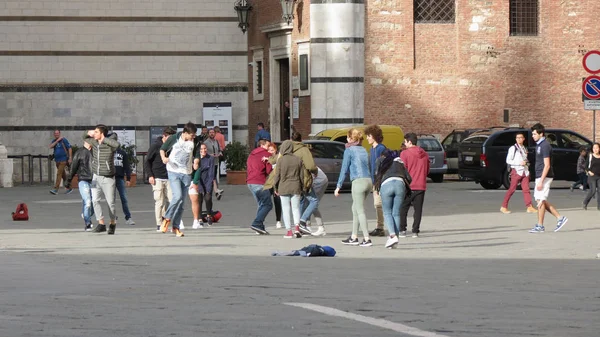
[219,114]
[126,137]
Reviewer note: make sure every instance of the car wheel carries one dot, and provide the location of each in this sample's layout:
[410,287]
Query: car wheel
[489,185]
[437,178]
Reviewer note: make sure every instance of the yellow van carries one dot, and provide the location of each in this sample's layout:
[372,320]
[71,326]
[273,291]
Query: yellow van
[393,136]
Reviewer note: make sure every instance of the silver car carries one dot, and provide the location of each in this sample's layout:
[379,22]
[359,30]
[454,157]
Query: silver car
[437,157]
[328,156]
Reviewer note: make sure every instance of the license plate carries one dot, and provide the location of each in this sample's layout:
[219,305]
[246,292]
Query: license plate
[431,160]
[468,158]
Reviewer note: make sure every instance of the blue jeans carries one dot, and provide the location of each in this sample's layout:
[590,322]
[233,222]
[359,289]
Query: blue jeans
[179,183]
[310,202]
[392,194]
[123,196]
[85,189]
[263,199]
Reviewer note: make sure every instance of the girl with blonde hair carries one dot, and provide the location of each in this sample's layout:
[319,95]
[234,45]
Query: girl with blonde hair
[356,162]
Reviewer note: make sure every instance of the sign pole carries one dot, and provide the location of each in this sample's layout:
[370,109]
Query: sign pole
[594,128]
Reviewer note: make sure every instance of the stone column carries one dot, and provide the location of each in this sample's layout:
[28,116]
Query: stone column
[6,168]
[337,52]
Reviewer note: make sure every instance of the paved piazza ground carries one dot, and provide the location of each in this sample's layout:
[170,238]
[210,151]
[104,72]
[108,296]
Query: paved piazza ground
[473,272]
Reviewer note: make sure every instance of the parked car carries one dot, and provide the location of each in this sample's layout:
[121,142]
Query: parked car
[437,157]
[482,156]
[328,156]
[451,143]
[393,136]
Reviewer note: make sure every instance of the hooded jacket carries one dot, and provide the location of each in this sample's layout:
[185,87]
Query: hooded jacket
[81,165]
[103,154]
[289,171]
[257,170]
[302,151]
[122,166]
[416,161]
[153,164]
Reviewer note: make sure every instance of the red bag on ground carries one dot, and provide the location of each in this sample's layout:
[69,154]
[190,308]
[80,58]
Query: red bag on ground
[22,214]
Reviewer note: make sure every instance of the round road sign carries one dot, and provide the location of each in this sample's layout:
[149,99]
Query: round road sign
[591,87]
[591,62]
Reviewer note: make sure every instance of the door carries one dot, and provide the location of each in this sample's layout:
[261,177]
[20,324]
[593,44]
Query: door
[284,98]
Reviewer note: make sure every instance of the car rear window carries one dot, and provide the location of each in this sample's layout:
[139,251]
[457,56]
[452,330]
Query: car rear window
[429,144]
[475,140]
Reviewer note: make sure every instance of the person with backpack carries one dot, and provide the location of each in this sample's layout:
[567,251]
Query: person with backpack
[391,182]
[518,163]
[82,167]
[63,157]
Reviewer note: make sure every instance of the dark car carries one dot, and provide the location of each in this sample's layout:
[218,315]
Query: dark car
[328,156]
[482,156]
[451,143]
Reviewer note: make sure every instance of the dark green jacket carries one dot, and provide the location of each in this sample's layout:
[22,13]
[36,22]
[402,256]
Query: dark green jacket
[103,155]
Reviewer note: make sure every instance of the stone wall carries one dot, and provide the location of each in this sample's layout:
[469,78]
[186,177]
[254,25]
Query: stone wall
[71,65]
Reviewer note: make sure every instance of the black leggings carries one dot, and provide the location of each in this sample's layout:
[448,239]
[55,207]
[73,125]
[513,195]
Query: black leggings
[207,198]
[277,202]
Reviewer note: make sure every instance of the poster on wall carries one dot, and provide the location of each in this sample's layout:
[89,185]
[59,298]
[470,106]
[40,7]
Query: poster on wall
[126,137]
[219,114]
[155,132]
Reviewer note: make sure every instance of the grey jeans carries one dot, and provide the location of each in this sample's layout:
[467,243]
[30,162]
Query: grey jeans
[361,188]
[104,186]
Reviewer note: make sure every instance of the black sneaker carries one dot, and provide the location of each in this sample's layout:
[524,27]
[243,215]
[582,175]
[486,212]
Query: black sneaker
[366,243]
[303,228]
[158,228]
[111,229]
[350,241]
[402,234]
[99,228]
[377,232]
[209,220]
[89,227]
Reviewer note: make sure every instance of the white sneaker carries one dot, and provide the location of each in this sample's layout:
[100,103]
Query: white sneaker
[196,224]
[181,226]
[391,242]
[130,222]
[319,232]
[581,187]
[278,225]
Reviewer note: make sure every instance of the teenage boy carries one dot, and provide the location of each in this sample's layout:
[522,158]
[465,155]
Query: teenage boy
[122,179]
[375,137]
[519,174]
[416,161]
[82,167]
[544,175]
[177,153]
[103,169]
[257,172]
[158,178]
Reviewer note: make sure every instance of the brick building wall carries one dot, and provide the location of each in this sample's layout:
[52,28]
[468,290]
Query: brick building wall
[436,77]
[264,14]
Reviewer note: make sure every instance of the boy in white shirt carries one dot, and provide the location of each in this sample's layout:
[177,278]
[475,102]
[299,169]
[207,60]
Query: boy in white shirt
[519,173]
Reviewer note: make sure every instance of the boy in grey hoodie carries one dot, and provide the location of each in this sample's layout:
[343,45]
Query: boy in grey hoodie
[103,170]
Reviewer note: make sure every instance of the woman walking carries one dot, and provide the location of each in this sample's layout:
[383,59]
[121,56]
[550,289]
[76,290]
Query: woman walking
[593,172]
[288,186]
[201,188]
[391,181]
[356,162]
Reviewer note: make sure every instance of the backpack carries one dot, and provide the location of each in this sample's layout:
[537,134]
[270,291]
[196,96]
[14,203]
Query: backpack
[21,214]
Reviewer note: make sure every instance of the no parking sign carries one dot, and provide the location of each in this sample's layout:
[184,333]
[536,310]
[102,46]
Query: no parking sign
[591,87]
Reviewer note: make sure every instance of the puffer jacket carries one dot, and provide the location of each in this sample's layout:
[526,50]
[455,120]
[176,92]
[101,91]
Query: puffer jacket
[103,155]
[81,165]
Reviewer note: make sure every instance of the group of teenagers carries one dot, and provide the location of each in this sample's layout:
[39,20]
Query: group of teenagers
[177,162]
[397,180]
